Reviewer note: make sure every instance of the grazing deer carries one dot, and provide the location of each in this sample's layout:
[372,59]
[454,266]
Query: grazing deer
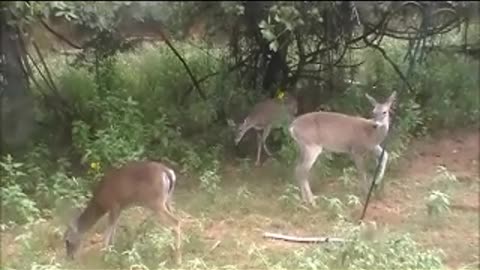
[340,133]
[139,183]
[264,116]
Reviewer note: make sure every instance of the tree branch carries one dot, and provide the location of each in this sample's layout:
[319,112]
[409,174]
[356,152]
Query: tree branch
[389,60]
[204,78]
[58,35]
[187,68]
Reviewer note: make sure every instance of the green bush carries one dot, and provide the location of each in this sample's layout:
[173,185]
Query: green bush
[18,207]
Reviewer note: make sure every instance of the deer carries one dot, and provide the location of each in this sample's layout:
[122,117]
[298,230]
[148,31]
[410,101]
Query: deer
[148,184]
[340,133]
[264,116]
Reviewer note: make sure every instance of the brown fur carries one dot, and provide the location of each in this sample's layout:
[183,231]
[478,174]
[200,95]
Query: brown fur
[138,183]
[263,118]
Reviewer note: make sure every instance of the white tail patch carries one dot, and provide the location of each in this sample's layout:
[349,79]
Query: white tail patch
[169,179]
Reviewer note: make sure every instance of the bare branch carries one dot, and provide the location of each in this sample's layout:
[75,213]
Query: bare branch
[389,60]
[58,35]
[204,78]
[187,68]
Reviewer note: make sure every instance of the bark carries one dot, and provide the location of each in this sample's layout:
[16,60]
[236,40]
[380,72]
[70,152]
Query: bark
[16,104]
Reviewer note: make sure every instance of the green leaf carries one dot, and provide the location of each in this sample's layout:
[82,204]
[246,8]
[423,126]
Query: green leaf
[267,34]
[289,26]
[276,18]
[274,46]
[263,24]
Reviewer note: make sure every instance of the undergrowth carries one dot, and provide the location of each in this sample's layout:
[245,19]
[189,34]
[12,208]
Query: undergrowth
[134,107]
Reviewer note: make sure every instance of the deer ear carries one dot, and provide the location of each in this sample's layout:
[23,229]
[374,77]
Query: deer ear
[392,98]
[371,99]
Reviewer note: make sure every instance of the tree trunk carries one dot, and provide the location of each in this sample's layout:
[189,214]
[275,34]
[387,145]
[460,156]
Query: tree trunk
[16,104]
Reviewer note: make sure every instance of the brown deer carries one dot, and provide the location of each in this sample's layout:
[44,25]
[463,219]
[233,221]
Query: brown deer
[264,116]
[340,133]
[138,183]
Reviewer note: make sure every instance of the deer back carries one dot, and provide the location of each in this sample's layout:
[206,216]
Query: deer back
[272,110]
[139,182]
[334,131]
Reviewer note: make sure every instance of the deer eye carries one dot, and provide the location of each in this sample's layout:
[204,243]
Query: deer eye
[385,112]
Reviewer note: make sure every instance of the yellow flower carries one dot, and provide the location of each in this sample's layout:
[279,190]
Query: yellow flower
[95,165]
[280,94]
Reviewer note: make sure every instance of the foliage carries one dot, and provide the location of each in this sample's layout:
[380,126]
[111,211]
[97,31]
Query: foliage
[209,179]
[25,199]
[148,250]
[32,249]
[334,206]
[437,203]
[17,206]
[291,196]
[393,252]
[137,119]
[125,104]
[444,179]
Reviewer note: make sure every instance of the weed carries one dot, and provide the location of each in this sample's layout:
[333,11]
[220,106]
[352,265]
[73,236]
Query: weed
[437,203]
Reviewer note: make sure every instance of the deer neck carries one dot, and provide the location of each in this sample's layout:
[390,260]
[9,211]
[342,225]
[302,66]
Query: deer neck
[89,217]
[382,128]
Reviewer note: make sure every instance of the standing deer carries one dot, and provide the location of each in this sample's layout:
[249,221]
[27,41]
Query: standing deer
[264,116]
[340,133]
[139,183]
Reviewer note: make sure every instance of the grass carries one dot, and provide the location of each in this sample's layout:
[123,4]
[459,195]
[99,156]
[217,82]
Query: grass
[224,230]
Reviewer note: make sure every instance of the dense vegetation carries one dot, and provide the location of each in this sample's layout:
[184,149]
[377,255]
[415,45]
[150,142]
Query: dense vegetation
[116,101]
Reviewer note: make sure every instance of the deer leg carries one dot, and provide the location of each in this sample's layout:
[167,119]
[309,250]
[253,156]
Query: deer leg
[113,218]
[383,163]
[164,213]
[265,134]
[308,156]
[259,148]
[360,164]
[241,132]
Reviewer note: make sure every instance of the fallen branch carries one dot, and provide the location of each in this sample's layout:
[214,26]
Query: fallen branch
[215,246]
[303,239]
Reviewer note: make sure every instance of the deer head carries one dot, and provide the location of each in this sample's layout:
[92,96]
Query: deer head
[381,111]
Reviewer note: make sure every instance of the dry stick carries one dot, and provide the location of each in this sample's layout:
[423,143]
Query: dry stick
[215,245]
[304,239]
